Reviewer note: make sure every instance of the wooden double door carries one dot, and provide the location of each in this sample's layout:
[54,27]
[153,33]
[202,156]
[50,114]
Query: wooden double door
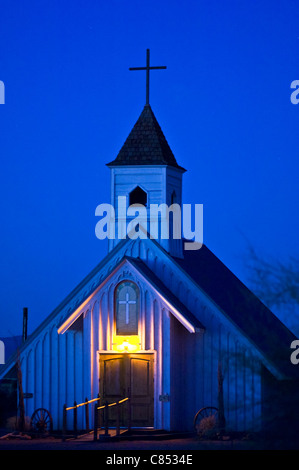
[128,375]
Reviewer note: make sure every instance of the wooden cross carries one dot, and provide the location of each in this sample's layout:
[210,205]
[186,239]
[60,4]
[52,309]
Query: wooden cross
[147,68]
[127,303]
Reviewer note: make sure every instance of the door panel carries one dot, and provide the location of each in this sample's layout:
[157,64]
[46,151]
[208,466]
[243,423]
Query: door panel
[123,375]
[139,377]
[113,370]
[112,383]
[142,390]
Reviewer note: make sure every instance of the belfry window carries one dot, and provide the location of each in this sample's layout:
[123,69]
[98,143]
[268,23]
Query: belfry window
[126,308]
[138,196]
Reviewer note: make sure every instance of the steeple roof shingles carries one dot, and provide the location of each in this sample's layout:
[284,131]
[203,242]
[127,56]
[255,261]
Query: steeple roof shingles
[146,144]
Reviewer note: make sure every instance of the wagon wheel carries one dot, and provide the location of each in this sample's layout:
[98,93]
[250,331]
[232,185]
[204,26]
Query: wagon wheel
[41,421]
[208,413]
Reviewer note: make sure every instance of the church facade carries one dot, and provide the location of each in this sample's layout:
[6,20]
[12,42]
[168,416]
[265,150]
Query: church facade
[155,322]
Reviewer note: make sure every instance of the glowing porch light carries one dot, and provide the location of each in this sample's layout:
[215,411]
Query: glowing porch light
[128,344]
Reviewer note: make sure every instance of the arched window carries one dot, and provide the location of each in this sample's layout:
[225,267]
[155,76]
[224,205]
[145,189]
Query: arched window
[126,308]
[138,196]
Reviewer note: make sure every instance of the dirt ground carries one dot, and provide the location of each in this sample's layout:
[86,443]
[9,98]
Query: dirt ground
[191,444]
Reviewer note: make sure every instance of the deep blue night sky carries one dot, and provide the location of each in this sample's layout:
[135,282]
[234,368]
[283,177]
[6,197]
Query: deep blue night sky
[223,104]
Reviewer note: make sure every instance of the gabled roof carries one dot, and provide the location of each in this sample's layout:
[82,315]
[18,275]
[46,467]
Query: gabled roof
[175,305]
[270,336]
[146,144]
[253,319]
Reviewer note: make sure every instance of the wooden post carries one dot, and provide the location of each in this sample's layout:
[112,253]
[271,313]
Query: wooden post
[221,417]
[106,419]
[64,423]
[101,414]
[86,415]
[75,419]
[21,423]
[129,414]
[25,321]
[117,418]
[95,422]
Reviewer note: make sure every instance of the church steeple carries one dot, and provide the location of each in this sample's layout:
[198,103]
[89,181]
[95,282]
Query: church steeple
[146,172]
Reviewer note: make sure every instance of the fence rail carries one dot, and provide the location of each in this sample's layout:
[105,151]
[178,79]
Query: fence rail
[105,417]
[75,407]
